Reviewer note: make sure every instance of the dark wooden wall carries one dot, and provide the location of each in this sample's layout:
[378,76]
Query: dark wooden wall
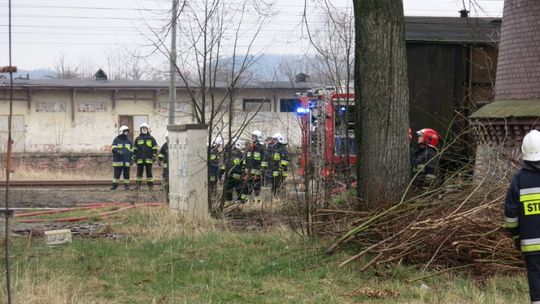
[437,74]
[447,82]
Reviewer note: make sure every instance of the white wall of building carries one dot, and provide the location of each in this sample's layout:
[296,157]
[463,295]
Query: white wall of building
[53,124]
[268,122]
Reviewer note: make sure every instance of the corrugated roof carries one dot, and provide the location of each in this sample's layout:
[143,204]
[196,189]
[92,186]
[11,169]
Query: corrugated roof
[452,29]
[509,109]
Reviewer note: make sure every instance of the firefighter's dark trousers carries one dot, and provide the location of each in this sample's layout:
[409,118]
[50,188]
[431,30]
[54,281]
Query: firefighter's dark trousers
[267,178]
[254,186]
[238,186]
[212,186]
[214,176]
[118,171]
[277,183]
[533,275]
[149,176]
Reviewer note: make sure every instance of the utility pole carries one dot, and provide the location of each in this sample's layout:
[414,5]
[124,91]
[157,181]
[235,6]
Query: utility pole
[172,60]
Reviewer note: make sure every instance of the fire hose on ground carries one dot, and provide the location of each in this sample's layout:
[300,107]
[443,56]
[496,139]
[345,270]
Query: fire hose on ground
[122,206]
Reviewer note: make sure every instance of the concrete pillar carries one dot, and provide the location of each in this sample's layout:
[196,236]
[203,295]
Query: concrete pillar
[188,173]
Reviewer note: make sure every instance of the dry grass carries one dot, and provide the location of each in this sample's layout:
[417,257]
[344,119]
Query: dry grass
[28,172]
[26,169]
[52,288]
[266,204]
[168,258]
[161,224]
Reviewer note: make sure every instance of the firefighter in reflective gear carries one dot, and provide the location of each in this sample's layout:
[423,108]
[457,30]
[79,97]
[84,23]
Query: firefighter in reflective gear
[121,151]
[278,161]
[234,159]
[214,163]
[144,154]
[425,160]
[252,162]
[163,158]
[522,210]
[267,173]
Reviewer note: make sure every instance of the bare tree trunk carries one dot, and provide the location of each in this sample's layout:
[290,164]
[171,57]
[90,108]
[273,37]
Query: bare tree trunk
[382,101]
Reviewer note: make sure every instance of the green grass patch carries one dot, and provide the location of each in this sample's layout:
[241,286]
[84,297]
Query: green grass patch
[226,267]
[344,197]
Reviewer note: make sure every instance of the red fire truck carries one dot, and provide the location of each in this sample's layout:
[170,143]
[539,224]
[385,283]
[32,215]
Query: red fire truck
[327,122]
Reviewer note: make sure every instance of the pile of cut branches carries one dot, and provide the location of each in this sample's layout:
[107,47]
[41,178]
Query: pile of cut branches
[453,227]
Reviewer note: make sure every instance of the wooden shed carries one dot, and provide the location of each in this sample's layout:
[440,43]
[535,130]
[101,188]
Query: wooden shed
[452,65]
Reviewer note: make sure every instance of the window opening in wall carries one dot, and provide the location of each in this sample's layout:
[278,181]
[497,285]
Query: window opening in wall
[256,104]
[344,129]
[288,104]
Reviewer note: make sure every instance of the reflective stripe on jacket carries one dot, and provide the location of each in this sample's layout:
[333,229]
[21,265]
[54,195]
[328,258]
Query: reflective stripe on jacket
[213,164]
[121,151]
[522,209]
[277,157]
[254,158]
[235,163]
[145,149]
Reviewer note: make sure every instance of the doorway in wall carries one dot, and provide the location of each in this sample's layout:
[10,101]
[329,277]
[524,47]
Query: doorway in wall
[133,122]
[17,129]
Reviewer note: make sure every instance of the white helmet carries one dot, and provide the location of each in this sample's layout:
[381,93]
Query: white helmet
[144,125]
[239,144]
[280,138]
[531,146]
[167,134]
[256,136]
[122,129]
[218,141]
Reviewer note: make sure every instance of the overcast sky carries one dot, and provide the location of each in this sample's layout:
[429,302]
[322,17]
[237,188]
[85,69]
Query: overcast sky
[42,30]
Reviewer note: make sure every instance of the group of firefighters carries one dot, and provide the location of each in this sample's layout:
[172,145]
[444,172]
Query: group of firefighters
[143,152]
[244,166]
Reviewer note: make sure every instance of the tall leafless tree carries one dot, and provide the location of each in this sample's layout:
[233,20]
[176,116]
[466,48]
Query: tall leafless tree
[334,43]
[65,68]
[333,63]
[118,63]
[216,40]
[124,64]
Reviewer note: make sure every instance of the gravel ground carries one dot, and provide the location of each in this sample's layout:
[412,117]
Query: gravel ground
[69,197]
[65,197]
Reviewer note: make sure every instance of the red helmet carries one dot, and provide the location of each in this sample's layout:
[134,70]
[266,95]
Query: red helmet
[428,137]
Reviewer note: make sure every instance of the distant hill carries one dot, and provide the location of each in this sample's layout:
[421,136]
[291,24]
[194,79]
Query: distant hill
[34,74]
[269,65]
[266,67]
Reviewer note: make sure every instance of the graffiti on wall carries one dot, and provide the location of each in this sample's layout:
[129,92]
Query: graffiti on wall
[181,107]
[50,106]
[92,107]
